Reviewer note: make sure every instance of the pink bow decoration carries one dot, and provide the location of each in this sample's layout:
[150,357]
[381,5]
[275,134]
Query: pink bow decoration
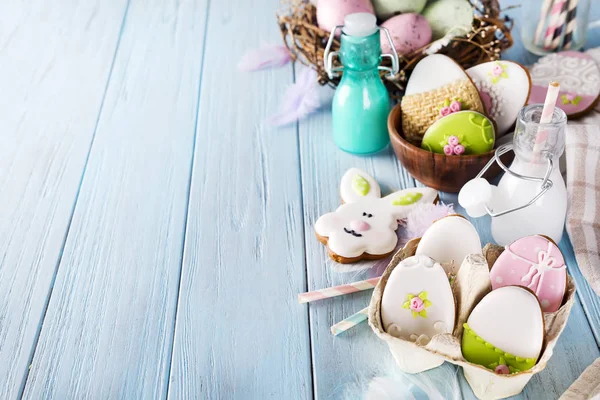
[537,270]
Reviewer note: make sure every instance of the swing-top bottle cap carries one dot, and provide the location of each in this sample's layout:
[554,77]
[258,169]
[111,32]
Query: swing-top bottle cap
[360,24]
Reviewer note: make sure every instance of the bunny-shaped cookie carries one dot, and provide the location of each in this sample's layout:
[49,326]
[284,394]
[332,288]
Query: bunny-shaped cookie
[363,228]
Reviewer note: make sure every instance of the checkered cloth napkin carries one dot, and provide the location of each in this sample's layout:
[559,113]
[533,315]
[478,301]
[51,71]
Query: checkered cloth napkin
[583,186]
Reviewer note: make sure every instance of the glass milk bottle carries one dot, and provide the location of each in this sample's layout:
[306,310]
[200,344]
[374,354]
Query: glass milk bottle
[361,102]
[531,197]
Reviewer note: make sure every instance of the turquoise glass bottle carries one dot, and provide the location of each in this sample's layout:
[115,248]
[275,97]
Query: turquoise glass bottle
[361,102]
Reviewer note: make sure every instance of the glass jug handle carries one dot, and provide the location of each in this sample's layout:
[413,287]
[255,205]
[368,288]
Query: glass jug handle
[394,56]
[328,55]
[546,181]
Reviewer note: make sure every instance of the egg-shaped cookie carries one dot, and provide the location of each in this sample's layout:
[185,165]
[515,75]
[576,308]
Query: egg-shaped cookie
[417,301]
[385,9]
[450,240]
[504,88]
[437,87]
[462,132]
[409,32]
[537,263]
[505,331]
[579,77]
[444,15]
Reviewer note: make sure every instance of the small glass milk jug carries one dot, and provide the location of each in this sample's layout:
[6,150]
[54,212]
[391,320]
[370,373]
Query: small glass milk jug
[361,102]
[531,197]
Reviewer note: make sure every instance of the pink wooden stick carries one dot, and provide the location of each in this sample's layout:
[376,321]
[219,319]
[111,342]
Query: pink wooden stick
[337,290]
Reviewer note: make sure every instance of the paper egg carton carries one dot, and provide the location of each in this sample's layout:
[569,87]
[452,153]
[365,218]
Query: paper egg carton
[471,284]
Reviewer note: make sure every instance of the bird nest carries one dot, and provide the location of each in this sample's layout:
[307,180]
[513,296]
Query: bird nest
[488,37]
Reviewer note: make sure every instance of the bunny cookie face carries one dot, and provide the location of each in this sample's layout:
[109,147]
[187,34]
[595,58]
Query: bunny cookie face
[364,226]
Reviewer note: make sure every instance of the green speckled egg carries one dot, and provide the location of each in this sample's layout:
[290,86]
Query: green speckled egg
[385,9]
[469,129]
[444,15]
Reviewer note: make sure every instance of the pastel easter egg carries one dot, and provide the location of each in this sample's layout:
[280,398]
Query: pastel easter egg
[409,32]
[505,331]
[331,13]
[534,262]
[475,133]
[384,9]
[505,87]
[437,86]
[579,77]
[417,301]
[444,15]
[450,240]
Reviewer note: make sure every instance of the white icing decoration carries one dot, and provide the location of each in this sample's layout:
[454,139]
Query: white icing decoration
[394,330]
[441,327]
[379,236]
[426,75]
[535,275]
[508,95]
[499,279]
[450,239]
[510,318]
[545,303]
[413,276]
[575,74]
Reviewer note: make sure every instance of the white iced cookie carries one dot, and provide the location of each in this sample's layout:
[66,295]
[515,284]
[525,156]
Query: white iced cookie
[364,226]
[417,301]
[505,331]
[436,82]
[504,88]
[450,240]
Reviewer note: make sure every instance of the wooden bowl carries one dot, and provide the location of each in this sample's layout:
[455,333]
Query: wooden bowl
[439,171]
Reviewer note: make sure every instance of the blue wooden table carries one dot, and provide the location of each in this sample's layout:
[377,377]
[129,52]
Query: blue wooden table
[154,234]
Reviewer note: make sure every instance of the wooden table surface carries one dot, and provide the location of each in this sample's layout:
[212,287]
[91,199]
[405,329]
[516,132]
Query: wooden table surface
[154,233]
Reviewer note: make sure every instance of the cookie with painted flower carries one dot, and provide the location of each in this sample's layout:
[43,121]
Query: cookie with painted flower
[364,227]
[417,302]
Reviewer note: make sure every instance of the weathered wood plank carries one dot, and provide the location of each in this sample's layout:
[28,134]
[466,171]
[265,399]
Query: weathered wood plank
[240,332]
[56,60]
[108,330]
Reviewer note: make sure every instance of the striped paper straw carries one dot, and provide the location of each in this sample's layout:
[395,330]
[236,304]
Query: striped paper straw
[547,112]
[337,290]
[540,26]
[560,26]
[553,24]
[351,321]
[571,24]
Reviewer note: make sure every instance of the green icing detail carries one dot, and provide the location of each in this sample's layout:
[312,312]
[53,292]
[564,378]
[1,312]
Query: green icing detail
[565,100]
[360,185]
[470,127]
[407,199]
[476,350]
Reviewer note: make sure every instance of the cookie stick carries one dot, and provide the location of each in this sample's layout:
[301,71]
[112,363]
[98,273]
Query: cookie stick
[560,26]
[540,26]
[350,322]
[553,23]
[340,290]
[571,24]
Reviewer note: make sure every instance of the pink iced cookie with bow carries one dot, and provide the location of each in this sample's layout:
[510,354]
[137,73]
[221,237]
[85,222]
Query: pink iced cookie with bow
[364,227]
[536,263]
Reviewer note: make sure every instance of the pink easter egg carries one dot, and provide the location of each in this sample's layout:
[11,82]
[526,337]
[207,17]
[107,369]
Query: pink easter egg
[409,32]
[332,12]
[536,263]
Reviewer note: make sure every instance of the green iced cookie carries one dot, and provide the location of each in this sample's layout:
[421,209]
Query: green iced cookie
[462,132]
[476,350]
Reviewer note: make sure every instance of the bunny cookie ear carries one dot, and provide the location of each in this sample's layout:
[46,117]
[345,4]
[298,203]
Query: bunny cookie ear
[357,185]
[403,201]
